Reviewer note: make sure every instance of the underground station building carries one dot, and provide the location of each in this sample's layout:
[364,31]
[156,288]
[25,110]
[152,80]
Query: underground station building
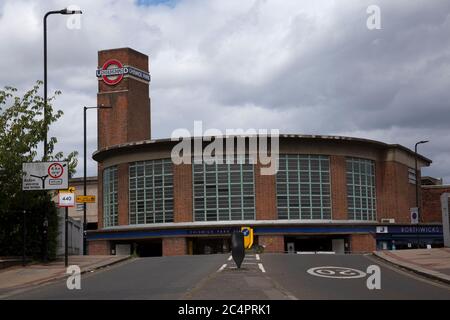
[346,195]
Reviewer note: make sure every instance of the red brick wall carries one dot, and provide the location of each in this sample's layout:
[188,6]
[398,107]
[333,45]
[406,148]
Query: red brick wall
[265,195]
[395,195]
[99,248]
[362,243]
[174,246]
[431,204]
[271,243]
[182,193]
[123,192]
[338,187]
[129,118]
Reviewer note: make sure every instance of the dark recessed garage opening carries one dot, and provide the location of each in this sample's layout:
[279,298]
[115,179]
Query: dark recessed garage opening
[315,243]
[148,248]
[206,245]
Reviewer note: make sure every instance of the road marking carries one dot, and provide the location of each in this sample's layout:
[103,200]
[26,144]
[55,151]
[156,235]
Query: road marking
[336,272]
[261,267]
[257,257]
[222,267]
[249,263]
[231,257]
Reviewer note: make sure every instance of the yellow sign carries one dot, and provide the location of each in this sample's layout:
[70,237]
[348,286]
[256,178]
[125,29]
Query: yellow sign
[69,190]
[85,199]
[248,237]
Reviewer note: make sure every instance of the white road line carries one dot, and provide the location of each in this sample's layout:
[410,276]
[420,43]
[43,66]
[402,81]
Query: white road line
[261,267]
[249,263]
[231,257]
[222,267]
[257,257]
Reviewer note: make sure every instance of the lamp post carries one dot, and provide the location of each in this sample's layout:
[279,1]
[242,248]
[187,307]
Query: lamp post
[64,12]
[417,187]
[84,175]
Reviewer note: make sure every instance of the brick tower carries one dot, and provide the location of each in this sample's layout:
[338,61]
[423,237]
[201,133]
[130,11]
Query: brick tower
[124,85]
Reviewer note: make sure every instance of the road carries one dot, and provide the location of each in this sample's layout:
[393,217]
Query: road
[261,277]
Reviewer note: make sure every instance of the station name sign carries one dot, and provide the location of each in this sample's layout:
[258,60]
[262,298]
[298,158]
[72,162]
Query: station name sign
[112,72]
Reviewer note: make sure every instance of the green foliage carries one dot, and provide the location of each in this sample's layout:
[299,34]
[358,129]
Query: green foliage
[22,132]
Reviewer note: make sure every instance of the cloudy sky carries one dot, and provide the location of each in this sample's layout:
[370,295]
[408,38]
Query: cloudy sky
[309,67]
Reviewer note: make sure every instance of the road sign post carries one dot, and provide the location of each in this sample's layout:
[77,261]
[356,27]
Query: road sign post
[66,200]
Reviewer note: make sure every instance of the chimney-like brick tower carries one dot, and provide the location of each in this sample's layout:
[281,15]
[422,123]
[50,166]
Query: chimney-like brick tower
[123,84]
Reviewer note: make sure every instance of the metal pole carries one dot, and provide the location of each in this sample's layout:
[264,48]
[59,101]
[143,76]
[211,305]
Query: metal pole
[24,238]
[84,186]
[417,194]
[85,174]
[66,235]
[45,85]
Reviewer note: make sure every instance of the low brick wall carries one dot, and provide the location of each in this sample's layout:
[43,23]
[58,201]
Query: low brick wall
[99,248]
[174,246]
[272,243]
[362,243]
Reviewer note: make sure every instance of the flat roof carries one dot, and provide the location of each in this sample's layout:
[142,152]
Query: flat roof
[379,144]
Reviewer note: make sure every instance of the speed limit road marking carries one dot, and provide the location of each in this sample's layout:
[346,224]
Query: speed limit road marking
[336,272]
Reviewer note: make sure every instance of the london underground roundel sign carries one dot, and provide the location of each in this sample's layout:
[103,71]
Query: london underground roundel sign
[112,72]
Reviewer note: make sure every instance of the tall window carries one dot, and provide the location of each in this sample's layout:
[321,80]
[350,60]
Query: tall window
[110,203]
[361,197]
[151,191]
[412,176]
[224,191]
[303,187]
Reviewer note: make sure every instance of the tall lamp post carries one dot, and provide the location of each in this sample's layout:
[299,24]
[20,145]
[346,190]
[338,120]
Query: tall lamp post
[84,175]
[64,12]
[417,186]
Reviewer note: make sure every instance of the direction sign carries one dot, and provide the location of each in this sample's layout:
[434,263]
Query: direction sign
[66,199]
[68,190]
[45,175]
[85,199]
[248,237]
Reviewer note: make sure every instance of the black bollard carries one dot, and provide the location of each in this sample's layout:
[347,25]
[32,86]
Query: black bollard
[238,251]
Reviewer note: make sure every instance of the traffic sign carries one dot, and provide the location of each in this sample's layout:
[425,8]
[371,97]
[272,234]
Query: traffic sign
[66,199]
[85,199]
[45,175]
[248,237]
[68,190]
[414,215]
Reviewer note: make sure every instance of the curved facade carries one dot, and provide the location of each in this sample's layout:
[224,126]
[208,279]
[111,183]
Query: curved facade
[329,193]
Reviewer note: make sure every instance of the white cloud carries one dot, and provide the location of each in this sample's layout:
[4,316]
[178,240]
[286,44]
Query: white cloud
[302,67]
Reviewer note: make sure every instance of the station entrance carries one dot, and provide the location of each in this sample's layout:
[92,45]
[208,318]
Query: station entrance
[315,243]
[207,245]
[141,247]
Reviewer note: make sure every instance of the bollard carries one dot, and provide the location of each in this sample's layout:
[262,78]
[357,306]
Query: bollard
[238,251]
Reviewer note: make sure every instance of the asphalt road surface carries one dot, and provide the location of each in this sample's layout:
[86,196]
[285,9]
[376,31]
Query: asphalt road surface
[261,277]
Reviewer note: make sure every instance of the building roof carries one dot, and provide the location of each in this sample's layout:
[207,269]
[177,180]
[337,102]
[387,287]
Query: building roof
[105,152]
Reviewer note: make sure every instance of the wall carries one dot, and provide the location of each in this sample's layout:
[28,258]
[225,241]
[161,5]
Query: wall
[362,243]
[431,203]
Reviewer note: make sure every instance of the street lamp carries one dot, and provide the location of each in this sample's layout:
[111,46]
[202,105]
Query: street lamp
[84,175]
[65,12]
[417,187]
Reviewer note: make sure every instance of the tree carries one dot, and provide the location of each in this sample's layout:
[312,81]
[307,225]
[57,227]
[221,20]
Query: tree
[21,134]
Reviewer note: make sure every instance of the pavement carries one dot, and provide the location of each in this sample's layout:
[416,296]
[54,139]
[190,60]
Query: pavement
[18,279]
[431,263]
